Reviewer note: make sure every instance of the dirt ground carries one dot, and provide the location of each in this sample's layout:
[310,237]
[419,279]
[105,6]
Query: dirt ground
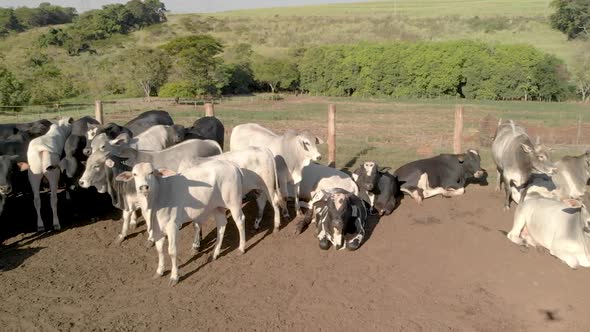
[443,266]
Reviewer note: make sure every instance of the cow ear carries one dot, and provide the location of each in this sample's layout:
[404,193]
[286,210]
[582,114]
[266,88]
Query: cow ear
[319,140]
[109,163]
[384,169]
[124,177]
[70,120]
[526,148]
[356,174]
[121,139]
[574,203]
[475,152]
[22,166]
[164,172]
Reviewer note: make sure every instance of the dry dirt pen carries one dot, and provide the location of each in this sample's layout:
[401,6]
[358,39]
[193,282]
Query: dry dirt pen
[443,266]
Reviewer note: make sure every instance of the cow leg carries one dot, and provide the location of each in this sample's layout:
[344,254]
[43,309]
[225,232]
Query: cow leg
[240,220]
[160,249]
[261,203]
[172,233]
[221,221]
[517,227]
[301,225]
[35,181]
[53,177]
[298,212]
[508,190]
[498,180]
[125,228]
[134,218]
[198,237]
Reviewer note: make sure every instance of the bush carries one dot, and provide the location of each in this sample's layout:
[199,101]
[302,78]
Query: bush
[181,89]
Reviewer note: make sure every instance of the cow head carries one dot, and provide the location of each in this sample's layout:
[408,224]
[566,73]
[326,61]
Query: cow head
[8,164]
[368,174]
[471,163]
[540,157]
[177,134]
[583,203]
[335,212]
[145,176]
[95,173]
[387,192]
[307,145]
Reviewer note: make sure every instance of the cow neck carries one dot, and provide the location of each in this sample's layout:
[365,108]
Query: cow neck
[118,189]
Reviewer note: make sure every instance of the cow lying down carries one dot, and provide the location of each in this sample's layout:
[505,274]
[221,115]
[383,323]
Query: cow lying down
[336,213]
[445,174]
[556,225]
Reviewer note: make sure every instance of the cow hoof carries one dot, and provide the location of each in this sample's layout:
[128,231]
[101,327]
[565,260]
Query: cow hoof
[40,228]
[211,258]
[173,282]
[195,251]
[132,226]
[157,275]
[149,244]
[240,252]
[119,239]
[57,227]
[506,208]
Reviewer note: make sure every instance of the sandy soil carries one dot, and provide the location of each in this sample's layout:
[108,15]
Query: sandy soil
[443,266]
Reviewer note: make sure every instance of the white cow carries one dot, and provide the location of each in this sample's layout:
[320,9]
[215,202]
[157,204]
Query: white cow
[43,156]
[292,151]
[212,187]
[556,225]
[102,167]
[259,173]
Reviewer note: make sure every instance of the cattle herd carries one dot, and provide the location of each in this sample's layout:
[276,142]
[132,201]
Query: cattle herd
[170,175]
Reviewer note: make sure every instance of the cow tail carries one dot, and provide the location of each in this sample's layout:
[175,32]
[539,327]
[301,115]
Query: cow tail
[280,200]
[46,161]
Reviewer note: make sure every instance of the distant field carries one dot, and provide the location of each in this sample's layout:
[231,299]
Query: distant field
[425,8]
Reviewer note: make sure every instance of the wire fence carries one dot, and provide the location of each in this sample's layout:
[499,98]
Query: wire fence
[391,132]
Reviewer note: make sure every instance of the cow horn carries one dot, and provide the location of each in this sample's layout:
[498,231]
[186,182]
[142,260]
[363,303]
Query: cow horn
[538,141]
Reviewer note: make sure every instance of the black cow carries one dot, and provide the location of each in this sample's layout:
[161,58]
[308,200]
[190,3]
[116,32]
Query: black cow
[74,147]
[208,127]
[13,157]
[337,213]
[377,187]
[445,174]
[33,129]
[147,120]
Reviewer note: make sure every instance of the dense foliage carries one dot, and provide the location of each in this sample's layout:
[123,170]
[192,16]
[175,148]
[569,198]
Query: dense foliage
[426,70]
[103,23]
[12,91]
[571,17]
[23,18]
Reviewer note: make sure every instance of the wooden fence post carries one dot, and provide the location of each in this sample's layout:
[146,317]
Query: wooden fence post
[579,133]
[98,114]
[332,135]
[458,133]
[209,109]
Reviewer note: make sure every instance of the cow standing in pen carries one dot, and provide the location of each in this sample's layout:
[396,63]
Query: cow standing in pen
[43,157]
[292,150]
[211,188]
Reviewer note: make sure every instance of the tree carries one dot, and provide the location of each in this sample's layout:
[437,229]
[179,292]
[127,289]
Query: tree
[581,76]
[12,91]
[148,68]
[276,73]
[198,62]
[571,17]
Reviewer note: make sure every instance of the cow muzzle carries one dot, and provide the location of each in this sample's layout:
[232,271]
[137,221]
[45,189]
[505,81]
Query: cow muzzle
[144,189]
[5,190]
[369,186]
[87,151]
[317,157]
[479,174]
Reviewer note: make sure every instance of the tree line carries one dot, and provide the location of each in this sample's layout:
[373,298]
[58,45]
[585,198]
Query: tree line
[103,23]
[24,18]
